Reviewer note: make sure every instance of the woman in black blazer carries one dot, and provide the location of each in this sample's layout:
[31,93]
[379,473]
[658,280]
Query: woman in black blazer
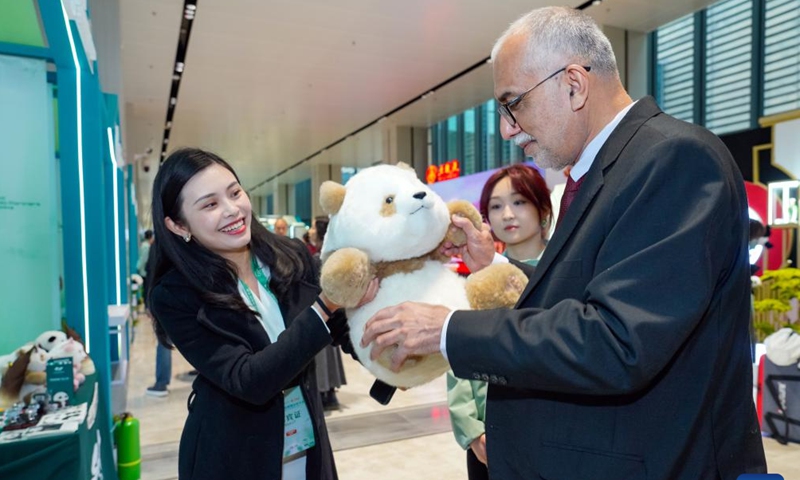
[243,307]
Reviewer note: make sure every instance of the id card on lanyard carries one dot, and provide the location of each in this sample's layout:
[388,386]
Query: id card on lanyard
[298,429]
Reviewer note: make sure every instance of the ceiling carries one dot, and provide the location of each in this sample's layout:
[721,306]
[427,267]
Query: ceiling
[269,83]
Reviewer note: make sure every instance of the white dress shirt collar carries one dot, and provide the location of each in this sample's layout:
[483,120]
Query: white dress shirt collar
[590,152]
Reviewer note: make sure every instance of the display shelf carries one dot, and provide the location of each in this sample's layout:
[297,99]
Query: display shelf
[782,204]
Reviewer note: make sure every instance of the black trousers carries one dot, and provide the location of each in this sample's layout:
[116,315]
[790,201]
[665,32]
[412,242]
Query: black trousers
[475,469]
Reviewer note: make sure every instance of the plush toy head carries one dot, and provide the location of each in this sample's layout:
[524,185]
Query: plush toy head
[386,212]
[69,348]
[48,340]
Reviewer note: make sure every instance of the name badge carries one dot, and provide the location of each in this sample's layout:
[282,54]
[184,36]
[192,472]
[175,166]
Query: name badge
[298,429]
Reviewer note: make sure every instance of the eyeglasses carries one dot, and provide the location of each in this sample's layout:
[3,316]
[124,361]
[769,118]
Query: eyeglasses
[504,109]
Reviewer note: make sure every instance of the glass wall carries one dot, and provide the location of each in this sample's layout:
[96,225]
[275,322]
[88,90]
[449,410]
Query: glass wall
[473,138]
[728,65]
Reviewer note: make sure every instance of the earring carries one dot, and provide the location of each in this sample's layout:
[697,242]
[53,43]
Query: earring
[187,238]
[544,223]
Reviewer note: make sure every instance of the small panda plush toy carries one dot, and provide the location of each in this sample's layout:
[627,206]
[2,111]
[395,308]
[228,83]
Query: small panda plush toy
[386,223]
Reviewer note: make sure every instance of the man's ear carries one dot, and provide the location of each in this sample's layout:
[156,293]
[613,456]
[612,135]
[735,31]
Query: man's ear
[176,227]
[578,81]
[331,197]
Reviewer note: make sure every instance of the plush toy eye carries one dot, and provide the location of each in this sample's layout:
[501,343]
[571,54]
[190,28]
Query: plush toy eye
[389,199]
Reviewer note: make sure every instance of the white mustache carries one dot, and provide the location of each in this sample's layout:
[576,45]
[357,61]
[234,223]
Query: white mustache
[522,138]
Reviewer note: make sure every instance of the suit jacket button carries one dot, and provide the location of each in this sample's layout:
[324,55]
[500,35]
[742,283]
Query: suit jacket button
[485,377]
[502,380]
[476,376]
[493,378]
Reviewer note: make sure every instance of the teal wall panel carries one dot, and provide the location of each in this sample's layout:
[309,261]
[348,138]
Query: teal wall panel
[28,206]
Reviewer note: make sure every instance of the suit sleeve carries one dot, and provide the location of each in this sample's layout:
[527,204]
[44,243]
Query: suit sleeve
[464,417]
[675,230]
[228,362]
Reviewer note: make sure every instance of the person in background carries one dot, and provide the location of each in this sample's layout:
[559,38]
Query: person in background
[627,354]
[281,227]
[144,256]
[243,307]
[163,353]
[310,239]
[516,203]
[329,367]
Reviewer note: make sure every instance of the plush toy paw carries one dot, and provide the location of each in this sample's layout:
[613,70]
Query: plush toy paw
[462,208]
[345,276]
[496,286]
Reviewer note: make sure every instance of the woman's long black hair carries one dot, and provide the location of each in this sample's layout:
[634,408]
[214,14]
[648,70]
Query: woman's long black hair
[214,277]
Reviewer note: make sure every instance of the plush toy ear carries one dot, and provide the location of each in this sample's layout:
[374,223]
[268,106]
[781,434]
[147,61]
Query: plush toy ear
[331,197]
[15,376]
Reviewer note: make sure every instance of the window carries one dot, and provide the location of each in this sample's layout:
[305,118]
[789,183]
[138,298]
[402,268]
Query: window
[781,56]
[490,134]
[468,163]
[728,68]
[452,138]
[302,199]
[675,73]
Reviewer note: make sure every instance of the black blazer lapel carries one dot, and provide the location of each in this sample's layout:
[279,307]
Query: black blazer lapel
[643,110]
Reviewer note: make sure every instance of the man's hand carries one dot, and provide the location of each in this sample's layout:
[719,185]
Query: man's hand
[415,328]
[478,447]
[479,251]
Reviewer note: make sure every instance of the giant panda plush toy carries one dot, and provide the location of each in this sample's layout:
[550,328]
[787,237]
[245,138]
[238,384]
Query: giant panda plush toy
[386,223]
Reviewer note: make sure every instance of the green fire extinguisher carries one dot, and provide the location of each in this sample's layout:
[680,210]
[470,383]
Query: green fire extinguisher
[129,458]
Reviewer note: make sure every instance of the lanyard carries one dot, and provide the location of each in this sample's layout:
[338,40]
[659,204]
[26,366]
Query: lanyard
[262,280]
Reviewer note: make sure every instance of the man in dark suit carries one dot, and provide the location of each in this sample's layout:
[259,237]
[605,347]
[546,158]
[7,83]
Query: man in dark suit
[627,355]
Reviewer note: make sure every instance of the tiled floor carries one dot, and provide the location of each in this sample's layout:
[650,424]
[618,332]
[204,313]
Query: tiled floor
[409,438]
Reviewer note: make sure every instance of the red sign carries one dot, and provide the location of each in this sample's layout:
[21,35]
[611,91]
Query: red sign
[445,171]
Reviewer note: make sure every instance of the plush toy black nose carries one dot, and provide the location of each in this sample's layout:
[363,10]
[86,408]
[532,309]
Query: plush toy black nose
[419,195]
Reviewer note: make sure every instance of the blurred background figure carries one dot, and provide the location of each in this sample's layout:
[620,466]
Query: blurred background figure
[516,203]
[281,227]
[141,265]
[330,371]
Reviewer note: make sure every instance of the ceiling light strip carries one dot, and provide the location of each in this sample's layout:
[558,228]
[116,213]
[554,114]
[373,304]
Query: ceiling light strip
[383,117]
[189,12]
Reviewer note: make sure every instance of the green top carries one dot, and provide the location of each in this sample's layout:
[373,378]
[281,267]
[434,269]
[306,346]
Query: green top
[467,401]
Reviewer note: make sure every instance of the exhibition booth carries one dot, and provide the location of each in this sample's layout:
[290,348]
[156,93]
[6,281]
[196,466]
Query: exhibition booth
[68,195]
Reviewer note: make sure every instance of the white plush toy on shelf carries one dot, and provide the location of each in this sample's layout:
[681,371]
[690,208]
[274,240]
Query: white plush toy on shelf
[24,371]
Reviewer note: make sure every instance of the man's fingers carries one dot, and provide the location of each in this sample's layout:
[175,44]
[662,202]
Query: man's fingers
[398,359]
[465,224]
[374,325]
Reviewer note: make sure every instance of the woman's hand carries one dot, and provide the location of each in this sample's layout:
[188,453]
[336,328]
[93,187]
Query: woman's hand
[369,295]
[478,447]
[372,291]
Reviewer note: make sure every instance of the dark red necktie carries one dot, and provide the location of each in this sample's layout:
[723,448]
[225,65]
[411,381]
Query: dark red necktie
[569,195]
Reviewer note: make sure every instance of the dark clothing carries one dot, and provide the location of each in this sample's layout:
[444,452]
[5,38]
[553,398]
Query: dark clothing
[627,355]
[476,470]
[236,415]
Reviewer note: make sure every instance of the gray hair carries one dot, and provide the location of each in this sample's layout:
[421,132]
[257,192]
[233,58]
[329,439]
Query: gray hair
[558,33]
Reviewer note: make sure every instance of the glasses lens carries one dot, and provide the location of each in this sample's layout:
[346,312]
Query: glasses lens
[505,113]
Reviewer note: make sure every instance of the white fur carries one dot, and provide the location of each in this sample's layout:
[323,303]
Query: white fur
[417,228]
[435,284]
[50,339]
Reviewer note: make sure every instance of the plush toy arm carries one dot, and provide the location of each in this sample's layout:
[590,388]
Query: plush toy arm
[345,276]
[465,209]
[496,286]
